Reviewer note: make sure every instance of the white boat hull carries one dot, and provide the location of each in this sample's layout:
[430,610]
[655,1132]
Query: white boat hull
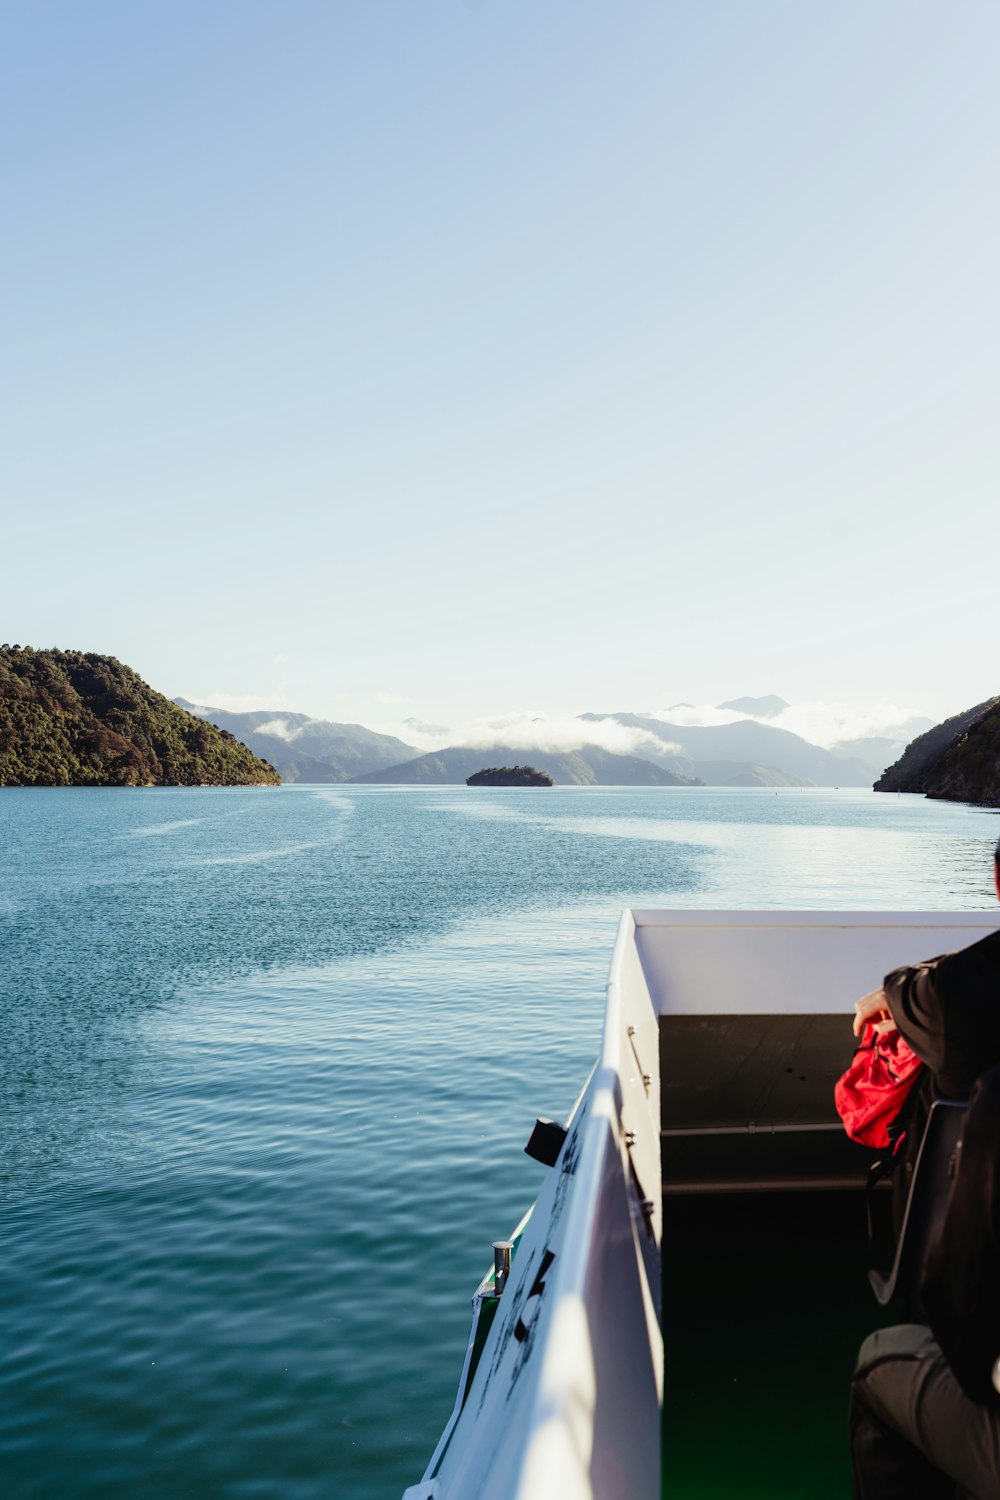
[566,1397]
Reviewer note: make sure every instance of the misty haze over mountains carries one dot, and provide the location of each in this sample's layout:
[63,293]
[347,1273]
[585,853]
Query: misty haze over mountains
[307,749]
[587,766]
[742,742]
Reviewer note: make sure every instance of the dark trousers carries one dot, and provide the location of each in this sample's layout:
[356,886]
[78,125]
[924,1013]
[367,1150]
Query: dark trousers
[915,1435]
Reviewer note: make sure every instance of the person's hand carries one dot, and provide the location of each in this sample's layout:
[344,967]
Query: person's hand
[872,1007]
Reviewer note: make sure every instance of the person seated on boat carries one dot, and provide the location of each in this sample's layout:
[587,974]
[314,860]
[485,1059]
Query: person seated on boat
[948,1010]
[923,1423]
[925,1398]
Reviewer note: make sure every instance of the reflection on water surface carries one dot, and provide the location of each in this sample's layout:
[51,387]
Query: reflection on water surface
[270,1059]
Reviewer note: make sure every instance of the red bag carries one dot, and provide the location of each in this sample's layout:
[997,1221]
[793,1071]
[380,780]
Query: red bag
[871,1093]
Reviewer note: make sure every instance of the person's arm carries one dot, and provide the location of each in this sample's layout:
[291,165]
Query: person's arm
[909,1002]
[913,999]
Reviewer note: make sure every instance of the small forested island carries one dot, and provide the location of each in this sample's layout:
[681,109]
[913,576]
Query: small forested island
[74,718]
[510,776]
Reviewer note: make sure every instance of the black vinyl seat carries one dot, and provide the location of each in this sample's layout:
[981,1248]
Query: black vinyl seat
[928,1194]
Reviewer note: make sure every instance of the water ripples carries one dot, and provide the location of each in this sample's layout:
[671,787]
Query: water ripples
[269,1063]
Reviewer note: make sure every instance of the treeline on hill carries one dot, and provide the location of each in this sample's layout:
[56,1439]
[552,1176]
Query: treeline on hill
[509,776]
[958,760]
[73,718]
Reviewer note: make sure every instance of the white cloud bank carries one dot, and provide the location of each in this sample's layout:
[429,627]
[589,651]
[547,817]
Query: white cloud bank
[280,729]
[829,724]
[825,724]
[524,730]
[693,715]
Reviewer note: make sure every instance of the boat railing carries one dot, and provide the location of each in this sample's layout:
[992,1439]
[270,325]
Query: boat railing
[566,1391]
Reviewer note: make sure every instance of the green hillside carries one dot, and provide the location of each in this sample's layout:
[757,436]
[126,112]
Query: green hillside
[73,718]
[969,771]
[958,760]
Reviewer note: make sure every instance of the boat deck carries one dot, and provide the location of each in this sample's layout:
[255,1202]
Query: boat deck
[765,1302]
[765,1254]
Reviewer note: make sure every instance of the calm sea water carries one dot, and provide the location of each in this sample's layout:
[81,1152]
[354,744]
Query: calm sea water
[268,1062]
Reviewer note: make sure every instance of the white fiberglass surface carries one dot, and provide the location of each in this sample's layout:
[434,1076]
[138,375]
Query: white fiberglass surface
[769,962]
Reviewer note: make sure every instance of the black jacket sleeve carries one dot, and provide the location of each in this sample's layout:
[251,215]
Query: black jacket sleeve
[915,1005]
[948,1009]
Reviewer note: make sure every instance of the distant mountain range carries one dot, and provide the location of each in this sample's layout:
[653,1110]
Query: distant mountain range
[307,749]
[747,747]
[745,773]
[760,708]
[958,760]
[588,766]
[744,752]
[73,718]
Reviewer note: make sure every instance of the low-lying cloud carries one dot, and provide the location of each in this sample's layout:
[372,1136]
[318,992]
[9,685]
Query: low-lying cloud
[280,729]
[824,724]
[830,724]
[554,733]
[827,724]
[694,715]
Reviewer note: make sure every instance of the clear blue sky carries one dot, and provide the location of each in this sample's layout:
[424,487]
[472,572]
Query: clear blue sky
[494,355]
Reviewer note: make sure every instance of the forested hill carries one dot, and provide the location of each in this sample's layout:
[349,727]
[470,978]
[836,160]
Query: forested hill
[958,760]
[73,718]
